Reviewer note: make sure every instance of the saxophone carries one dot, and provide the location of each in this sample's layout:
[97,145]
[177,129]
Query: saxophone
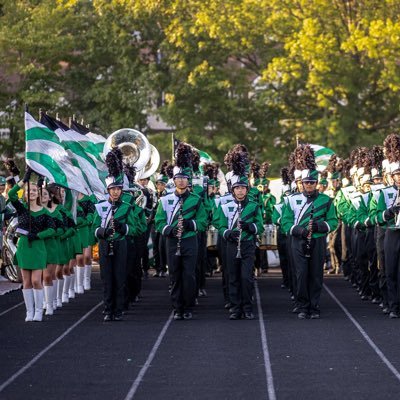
[112,226]
[239,224]
[307,250]
[179,227]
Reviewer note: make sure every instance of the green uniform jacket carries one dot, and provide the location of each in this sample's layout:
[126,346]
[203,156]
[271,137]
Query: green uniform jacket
[168,211]
[126,213]
[297,212]
[226,218]
[130,198]
[387,199]
[342,202]
[268,201]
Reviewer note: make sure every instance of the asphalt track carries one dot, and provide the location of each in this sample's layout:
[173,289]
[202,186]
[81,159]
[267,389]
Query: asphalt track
[352,352]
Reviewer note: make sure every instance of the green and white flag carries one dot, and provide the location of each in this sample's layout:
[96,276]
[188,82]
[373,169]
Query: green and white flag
[84,155]
[46,155]
[322,156]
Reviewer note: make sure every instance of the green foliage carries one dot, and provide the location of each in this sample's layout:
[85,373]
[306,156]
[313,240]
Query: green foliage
[253,71]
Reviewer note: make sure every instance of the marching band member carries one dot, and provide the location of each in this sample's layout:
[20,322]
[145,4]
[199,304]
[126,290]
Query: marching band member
[307,218]
[282,237]
[57,195]
[199,186]
[34,225]
[377,174]
[334,244]
[159,251]
[359,200]
[136,243]
[52,288]
[180,215]
[239,222]
[388,209]
[114,220]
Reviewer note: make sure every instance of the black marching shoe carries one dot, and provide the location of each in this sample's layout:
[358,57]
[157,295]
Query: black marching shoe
[249,315]
[118,317]
[235,316]
[302,315]
[108,318]
[315,315]
[178,316]
[227,306]
[187,315]
[394,314]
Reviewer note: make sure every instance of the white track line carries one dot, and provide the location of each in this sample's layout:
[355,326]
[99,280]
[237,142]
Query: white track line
[44,351]
[11,308]
[152,354]
[267,361]
[365,335]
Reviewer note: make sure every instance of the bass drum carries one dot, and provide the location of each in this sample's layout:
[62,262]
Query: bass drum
[10,239]
[269,238]
[212,239]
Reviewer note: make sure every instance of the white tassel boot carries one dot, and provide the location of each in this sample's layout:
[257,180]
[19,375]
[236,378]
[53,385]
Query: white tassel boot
[54,294]
[38,298]
[71,290]
[76,279]
[79,278]
[87,276]
[48,295]
[60,285]
[29,301]
[64,297]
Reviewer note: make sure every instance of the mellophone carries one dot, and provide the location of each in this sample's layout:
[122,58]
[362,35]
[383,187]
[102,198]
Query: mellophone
[268,240]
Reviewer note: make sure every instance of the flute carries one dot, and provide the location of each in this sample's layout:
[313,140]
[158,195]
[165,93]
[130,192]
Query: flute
[112,226]
[309,235]
[239,224]
[180,228]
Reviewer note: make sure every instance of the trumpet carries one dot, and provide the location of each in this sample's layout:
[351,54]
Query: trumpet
[307,252]
[239,224]
[179,227]
[112,226]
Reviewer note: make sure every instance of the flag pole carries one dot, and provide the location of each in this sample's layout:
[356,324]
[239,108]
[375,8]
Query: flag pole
[172,145]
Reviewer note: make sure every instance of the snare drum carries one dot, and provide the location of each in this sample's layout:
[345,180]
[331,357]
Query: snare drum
[212,238]
[269,238]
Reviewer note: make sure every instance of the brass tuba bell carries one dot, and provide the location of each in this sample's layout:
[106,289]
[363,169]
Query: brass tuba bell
[151,166]
[134,145]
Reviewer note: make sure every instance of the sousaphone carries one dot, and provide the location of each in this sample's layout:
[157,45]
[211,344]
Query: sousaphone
[135,147]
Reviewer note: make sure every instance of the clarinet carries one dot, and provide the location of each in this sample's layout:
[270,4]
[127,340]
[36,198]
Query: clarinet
[309,235]
[179,227]
[112,226]
[239,224]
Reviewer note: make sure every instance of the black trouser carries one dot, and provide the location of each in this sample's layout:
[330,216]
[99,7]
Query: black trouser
[347,261]
[201,260]
[283,260]
[160,262]
[113,273]
[221,246]
[134,270]
[292,267]
[309,272]
[145,253]
[372,262]
[361,257]
[380,238]
[355,273]
[392,261]
[182,270]
[241,277]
